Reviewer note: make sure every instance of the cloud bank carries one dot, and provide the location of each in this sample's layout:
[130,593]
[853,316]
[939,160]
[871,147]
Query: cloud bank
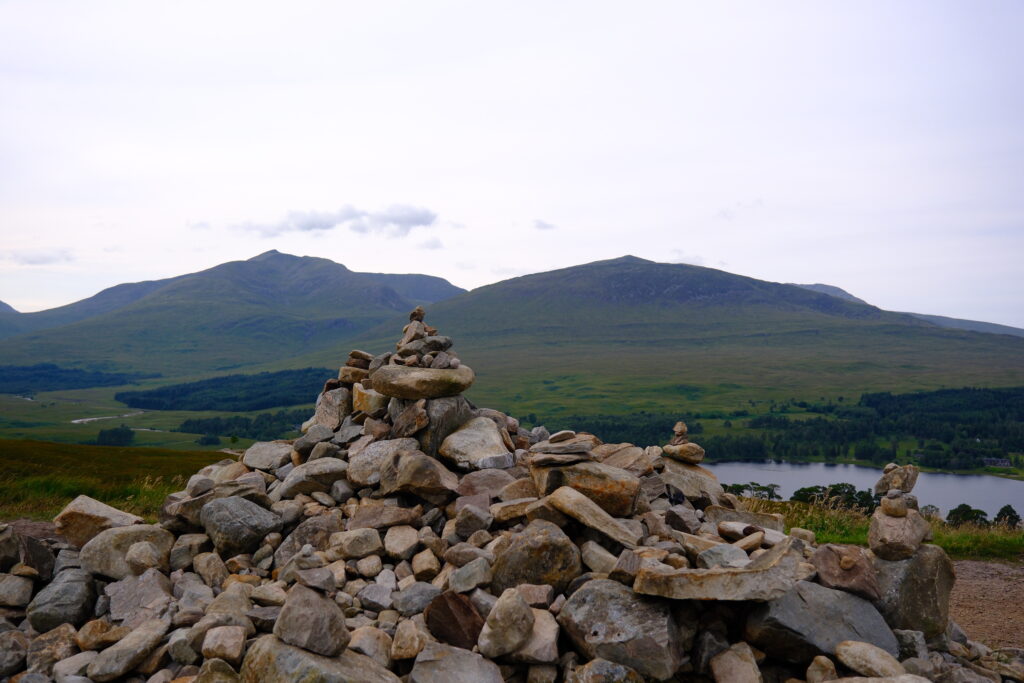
[395,221]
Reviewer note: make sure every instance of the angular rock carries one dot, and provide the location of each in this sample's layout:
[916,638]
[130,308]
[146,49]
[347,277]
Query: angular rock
[415,598]
[105,553]
[868,660]
[267,455]
[605,619]
[316,434]
[602,671]
[15,591]
[541,647]
[411,420]
[613,489]
[13,649]
[48,648]
[897,538]
[471,575]
[414,383]
[508,626]
[372,642]
[364,469]
[445,415]
[84,517]
[439,663]
[915,592]
[689,453]
[312,622]
[723,555]
[735,665]
[696,483]
[74,666]
[357,544]
[811,620]
[186,547]
[541,553]
[368,401]
[313,476]
[452,619]
[419,475]
[476,445]
[225,642]
[315,531]
[901,478]
[68,599]
[409,640]
[332,407]
[848,568]
[383,516]
[270,660]
[126,654]
[576,505]
[716,514]
[769,576]
[236,525]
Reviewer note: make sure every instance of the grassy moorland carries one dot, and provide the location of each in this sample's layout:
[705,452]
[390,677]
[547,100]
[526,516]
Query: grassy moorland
[39,478]
[838,525]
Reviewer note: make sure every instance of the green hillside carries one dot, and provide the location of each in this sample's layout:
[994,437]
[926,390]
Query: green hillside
[235,314]
[627,335]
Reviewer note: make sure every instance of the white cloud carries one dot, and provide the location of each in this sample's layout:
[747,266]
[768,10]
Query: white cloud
[544,225]
[394,221]
[39,257]
[432,243]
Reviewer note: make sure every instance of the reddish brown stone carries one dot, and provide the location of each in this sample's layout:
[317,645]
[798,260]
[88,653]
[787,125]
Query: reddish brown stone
[452,619]
[846,567]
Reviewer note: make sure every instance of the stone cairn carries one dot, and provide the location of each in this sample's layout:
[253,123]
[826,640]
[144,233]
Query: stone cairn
[409,535]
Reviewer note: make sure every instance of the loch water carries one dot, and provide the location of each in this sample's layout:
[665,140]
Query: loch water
[945,491]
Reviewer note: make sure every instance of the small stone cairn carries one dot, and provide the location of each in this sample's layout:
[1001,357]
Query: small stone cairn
[411,536]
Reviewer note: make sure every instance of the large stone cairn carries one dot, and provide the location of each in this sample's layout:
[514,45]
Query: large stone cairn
[408,535]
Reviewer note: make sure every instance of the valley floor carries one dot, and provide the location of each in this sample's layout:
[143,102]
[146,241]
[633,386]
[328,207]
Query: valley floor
[987,602]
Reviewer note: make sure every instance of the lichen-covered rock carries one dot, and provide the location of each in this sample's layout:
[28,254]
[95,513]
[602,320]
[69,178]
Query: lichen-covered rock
[541,553]
[914,593]
[106,553]
[236,525]
[605,619]
[68,599]
[313,622]
[84,517]
[811,620]
[476,445]
[270,660]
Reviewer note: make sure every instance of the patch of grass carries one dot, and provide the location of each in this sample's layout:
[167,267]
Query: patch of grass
[39,478]
[838,525]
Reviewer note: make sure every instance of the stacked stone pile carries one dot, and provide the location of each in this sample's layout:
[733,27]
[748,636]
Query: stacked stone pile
[409,535]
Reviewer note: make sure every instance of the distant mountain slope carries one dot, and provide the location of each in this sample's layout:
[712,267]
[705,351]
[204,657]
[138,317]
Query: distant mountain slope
[7,308]
[238,313]
[833,291]
[972,325]
[940,320]
[631,335]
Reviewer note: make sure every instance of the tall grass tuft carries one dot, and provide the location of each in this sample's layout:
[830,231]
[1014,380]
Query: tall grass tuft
[834,524]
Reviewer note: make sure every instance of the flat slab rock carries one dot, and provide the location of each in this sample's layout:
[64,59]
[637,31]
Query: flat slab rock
[438,663]
[269,660]
[812,620]
[767,577]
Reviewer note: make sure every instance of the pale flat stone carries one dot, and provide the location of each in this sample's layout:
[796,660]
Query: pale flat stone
[85,517]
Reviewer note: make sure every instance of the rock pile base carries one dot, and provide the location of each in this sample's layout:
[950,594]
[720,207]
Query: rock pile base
[409,535]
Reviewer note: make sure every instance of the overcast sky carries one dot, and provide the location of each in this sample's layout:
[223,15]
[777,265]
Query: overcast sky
[876,146]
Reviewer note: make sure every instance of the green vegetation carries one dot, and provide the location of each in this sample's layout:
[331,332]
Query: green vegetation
[263,427]
[117,436]
[40,478]
[835,524]
[233,392]
[28,380]
[236,314]
[949,429]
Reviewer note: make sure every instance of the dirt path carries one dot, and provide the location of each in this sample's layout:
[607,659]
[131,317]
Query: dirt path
[988,602]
